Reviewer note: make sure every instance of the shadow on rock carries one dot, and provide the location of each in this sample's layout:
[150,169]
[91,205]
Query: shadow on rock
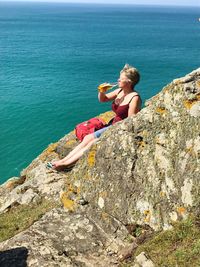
[15,257]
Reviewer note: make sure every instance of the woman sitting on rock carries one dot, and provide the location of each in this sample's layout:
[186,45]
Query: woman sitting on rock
[126,102]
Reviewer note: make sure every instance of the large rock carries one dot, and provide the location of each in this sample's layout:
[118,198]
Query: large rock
[60,239]
[144,170]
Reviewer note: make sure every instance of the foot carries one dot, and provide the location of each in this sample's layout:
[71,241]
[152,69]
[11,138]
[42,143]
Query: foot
[59,166]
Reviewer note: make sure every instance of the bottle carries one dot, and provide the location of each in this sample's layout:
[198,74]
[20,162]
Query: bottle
[106,86]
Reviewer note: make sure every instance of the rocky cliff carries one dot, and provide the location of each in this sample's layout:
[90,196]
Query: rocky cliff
[142,172]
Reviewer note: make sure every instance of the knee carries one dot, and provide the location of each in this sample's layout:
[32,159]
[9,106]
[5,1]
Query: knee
[88,138]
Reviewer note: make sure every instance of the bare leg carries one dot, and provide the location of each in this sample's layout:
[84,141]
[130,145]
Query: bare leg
[87,139]
[75,156]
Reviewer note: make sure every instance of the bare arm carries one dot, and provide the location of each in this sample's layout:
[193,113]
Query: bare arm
[134,106]
[109,96]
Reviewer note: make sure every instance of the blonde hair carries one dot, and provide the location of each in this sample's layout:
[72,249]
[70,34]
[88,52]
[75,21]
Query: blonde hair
[131,73]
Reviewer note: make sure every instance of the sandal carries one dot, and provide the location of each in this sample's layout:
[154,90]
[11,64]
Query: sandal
[50,165]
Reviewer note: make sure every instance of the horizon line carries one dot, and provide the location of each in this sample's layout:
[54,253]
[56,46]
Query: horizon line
[97,3]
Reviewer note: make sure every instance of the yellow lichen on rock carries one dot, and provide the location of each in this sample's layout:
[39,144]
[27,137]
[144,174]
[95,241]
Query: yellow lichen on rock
[68,197]
[71,142]
[147,214]
[91,156]
[87,176]
[141,144]
[72,188]
[162,194]
[190,151]
[67,202]
[161,110]
[50,150]
[190,102]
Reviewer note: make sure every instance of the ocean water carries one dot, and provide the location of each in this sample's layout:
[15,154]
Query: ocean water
[53,56]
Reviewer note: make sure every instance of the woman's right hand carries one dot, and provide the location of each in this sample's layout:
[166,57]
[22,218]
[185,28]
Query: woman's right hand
[108,96]
[104,87]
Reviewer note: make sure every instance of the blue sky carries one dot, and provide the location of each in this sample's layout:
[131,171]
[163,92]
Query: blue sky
[147,2]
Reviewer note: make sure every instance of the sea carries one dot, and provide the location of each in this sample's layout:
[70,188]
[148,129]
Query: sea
[54,55]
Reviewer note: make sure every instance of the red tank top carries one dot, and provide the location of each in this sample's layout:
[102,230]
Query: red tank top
[120,111]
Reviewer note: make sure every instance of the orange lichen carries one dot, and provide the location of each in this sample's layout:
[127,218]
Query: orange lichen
[181,210]
[142,144]
[161,110]
[190,102]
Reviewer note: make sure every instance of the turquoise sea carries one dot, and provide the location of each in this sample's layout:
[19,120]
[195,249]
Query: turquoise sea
[53,56]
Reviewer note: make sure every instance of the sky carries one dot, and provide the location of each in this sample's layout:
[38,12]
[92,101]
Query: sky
[145,2]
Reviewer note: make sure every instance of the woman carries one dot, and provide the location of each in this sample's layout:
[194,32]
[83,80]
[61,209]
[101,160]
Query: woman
[126,102]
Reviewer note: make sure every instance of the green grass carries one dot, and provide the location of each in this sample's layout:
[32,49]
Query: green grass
[179,247]
[21,217]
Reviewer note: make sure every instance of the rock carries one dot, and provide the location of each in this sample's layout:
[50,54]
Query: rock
[143,261]
[142,171]
[12,183]
[66,240]
[28,197]
[40,182]
[127,252]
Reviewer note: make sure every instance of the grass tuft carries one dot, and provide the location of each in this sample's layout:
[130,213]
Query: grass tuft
[178,247]
[21,217]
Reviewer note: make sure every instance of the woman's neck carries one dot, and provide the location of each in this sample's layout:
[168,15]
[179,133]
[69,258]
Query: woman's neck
[128,90]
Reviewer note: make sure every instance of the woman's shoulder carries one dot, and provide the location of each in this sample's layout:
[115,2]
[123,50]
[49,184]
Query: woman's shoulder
[134,98]
[135,93]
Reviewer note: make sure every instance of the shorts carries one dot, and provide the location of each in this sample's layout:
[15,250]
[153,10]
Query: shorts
[98,133]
